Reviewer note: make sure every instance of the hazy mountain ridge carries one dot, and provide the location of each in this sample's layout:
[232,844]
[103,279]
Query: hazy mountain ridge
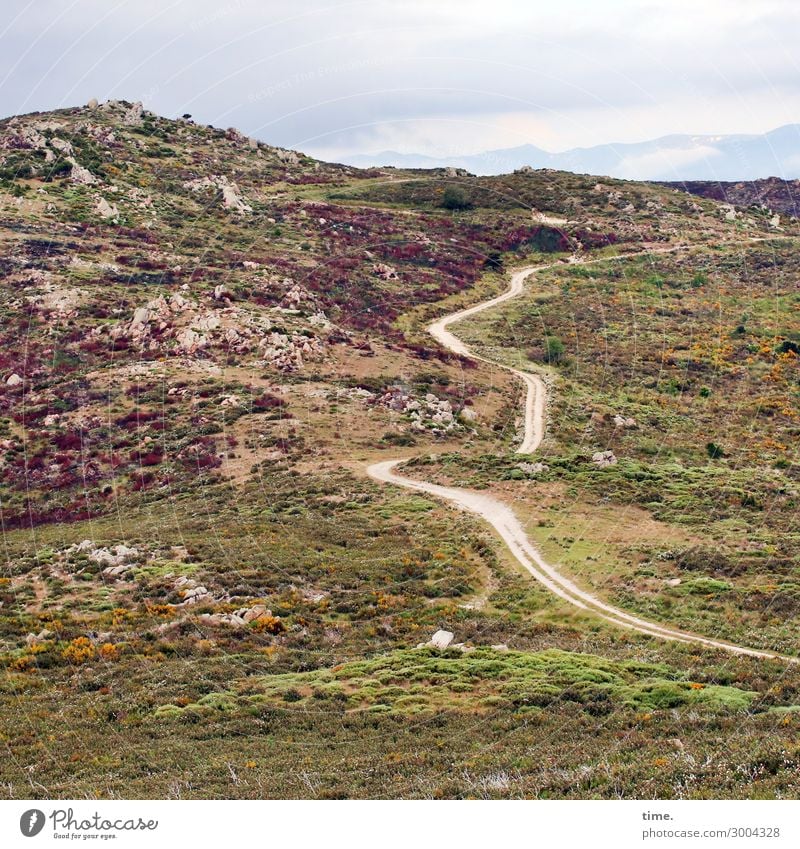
[673,157]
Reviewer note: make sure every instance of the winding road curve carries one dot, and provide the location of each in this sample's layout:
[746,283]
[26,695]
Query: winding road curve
[503,519]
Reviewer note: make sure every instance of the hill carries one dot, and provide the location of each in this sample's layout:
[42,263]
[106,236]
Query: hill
[205,342]
[778,195]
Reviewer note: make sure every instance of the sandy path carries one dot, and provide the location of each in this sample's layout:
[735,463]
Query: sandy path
[503,519]
[536,392]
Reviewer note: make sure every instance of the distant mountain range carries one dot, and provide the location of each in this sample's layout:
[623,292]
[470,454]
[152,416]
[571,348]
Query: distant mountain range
[676,157]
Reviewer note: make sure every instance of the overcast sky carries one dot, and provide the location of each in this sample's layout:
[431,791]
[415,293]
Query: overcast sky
[441,77]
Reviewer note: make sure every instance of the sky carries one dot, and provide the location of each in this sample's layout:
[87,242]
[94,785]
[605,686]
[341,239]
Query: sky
[438,77]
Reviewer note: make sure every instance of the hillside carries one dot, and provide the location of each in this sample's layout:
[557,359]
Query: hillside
[206,341]
[780,196]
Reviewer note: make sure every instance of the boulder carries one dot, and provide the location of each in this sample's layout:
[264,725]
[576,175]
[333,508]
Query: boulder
[141,317]
[603,459]
[106,210]
[441,639]
[81,176]
[14,380]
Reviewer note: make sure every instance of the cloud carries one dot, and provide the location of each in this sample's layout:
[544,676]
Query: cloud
[458,74]
[667,163]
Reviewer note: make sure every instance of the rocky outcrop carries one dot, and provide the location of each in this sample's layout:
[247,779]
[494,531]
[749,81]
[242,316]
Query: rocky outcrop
[134,117]
[231,196]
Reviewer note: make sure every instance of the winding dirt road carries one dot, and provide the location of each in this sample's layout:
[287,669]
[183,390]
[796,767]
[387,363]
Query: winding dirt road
[502,518]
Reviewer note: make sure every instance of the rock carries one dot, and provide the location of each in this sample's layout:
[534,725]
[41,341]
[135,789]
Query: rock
[14,380]
[384,271]
[289,157]
[252,143]
[231,199]
[230,619]
[81,176]
[92,104]
[189,341]
[134,116]
[116,556]
[500,647]
[468,415]
[106,210]
[603,459]
[674,582]
[532,468]
[256,612]
[34,639]
[622,421]
[141,318]
[441,639]
[62,146]
[208,322]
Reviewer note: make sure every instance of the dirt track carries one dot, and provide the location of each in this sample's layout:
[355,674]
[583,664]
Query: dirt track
[502,518]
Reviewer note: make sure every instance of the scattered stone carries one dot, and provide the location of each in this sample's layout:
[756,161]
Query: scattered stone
[14,380]
[603,459]
[622,421]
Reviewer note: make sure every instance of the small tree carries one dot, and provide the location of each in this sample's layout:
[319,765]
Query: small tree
[553,349]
